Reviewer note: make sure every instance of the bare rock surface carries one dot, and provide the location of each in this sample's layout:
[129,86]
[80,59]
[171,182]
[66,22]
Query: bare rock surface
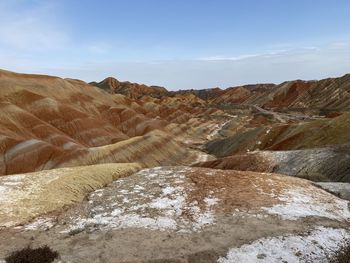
[340,189]
[73,177]
[328,164]
[184,214]
[25,196]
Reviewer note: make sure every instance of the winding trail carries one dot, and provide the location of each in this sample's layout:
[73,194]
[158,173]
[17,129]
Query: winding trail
[284,117]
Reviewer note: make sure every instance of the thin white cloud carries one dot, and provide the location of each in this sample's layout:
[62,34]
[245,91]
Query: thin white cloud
[28,35]
[30,29]
[266,54]
[99,48]
[213,58]
[278,66]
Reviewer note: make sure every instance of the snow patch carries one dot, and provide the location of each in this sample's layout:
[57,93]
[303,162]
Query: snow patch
[313,247]
[40,223]
[217,128]
[3,190]
[298,203]
[160,204]
[210,201]
[202,157]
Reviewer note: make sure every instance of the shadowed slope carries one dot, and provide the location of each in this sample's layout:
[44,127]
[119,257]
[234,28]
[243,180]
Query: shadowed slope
[305,135]
[320,164]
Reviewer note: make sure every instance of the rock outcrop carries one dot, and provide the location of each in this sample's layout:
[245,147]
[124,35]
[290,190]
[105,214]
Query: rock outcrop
[191,214]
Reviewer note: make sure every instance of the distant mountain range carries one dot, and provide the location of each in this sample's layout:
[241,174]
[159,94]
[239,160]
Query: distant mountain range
[327,94]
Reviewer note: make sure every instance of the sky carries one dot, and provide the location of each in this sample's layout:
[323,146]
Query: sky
[179,44]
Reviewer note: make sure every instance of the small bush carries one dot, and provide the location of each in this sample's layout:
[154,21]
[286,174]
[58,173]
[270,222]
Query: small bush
[29,255]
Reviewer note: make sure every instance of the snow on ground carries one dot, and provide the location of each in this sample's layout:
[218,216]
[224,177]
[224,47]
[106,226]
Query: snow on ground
[202,157]
[3,190]
[216,130]
[299,203]
[312,247]
[20,187]
[153,198]
[7,183]
[39,223]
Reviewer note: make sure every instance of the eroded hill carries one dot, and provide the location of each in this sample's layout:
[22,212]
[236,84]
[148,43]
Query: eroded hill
[124,172]
[48,122]
[131,90]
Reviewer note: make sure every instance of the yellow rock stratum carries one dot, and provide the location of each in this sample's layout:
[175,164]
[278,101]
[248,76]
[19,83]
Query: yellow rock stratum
[46,191]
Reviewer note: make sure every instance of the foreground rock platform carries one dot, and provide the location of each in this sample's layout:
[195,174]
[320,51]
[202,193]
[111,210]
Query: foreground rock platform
[188,214]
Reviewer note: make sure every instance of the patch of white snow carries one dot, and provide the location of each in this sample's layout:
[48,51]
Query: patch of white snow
[313,247]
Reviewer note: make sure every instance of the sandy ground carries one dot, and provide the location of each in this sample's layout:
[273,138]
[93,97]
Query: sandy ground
[182,214]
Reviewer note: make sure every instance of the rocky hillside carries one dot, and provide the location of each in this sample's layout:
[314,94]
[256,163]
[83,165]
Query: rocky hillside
[122,172]
[130,90]
[48,122]
[283,136]
[320,164]
[326,94]
[323,96]
[248,94]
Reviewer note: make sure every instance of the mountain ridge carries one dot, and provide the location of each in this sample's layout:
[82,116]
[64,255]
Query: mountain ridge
[326,94]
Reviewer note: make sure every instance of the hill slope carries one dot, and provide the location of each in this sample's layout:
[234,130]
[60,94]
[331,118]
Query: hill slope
[131,90]
[48,122]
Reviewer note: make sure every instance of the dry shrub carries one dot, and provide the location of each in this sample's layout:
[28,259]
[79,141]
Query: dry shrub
[29,255]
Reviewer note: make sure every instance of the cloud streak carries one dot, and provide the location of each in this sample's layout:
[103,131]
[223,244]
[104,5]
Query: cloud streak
[304,63]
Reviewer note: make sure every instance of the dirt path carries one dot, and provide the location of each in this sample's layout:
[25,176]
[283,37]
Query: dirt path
[284,117]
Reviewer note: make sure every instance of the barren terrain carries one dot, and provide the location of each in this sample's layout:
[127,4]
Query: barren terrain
[122,172]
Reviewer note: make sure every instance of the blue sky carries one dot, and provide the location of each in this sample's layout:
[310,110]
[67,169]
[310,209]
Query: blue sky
[178,44]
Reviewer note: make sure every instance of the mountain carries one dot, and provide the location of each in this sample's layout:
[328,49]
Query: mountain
[326,94]
[48,122]
[323,96]
[325,164]
[284,136]
[130,90]
[243,94]
[204,94]
[124,172]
